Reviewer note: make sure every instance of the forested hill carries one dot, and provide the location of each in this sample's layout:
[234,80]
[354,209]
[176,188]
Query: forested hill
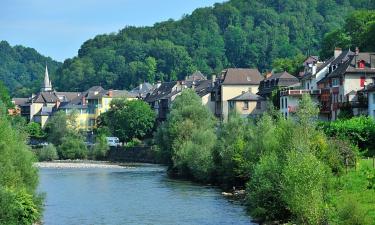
[22,69]
[238,33]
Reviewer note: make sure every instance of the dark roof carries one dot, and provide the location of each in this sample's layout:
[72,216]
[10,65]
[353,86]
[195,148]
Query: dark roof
[197,75]
[45,111]
[284,75]
[318,69]
[242,76]
[370,88]
[248,96]
[203,87]
[142,89]
[46,97]
[163,91]
[311,59]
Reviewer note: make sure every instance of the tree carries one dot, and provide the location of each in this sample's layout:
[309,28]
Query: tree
[186,140]
[35,130]
[129,119]
[20,203]
[57,128]
[72,147]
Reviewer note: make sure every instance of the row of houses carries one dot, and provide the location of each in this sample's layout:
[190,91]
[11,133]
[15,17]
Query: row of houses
[345,82]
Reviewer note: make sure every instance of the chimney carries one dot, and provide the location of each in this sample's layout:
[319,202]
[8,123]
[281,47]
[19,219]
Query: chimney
[337,52]
[158,84]
[110,93]
[268,75]
[83,100]
[213,80]
[356,51]
[140,86]
[313,69]
[250,90]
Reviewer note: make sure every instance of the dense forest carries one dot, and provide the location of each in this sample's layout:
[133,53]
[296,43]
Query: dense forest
[22,69]
[237,33]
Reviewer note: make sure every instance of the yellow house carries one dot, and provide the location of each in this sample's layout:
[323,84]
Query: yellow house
[232,83]
[247,105]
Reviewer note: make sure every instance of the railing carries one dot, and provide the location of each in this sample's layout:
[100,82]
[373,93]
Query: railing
[300,92]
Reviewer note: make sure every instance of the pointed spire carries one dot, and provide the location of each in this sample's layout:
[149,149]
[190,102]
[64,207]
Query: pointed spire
[47,85]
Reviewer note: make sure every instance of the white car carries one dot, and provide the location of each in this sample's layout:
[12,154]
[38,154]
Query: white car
[113,141]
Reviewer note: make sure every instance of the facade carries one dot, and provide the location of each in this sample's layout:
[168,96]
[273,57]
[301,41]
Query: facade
[342,88]
[247,105]
[232,83]
[371,100]
[87,105]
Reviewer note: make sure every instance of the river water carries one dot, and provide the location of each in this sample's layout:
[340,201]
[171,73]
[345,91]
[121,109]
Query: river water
[138,195]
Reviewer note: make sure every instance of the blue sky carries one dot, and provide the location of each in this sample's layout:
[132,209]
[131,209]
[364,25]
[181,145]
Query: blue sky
[57,28]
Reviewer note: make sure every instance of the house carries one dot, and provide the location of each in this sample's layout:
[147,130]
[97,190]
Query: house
[342,87]
[276,81]
[248,104]
[370,90]
[88,105]
[232,83]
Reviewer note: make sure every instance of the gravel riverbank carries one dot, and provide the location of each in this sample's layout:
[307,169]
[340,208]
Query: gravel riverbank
[78,165]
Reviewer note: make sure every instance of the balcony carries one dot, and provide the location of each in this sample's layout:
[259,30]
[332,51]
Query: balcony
[300,92]
[292,109]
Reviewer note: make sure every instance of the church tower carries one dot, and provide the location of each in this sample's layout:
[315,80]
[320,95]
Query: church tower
[47,86]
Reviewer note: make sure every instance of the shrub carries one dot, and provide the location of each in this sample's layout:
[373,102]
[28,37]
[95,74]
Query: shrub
[303,184]
[264,190]
[47,153]
[17,207]
[72,147]
[100,149]
[350,212]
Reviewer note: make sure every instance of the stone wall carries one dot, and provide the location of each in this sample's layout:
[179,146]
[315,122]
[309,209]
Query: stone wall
[134,154]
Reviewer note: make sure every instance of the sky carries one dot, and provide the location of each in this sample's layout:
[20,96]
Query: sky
[57,28]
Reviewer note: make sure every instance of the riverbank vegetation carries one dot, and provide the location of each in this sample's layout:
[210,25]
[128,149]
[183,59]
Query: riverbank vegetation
[19,201]
[291,169]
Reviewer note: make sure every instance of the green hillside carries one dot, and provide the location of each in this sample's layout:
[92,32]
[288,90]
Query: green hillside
[22,69]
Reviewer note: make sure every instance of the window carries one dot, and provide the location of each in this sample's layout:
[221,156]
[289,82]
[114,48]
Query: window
[308,85]
[213,97]
[286,103]
[231,105]
[335,82]
[361,64]
[362,81]
[282,103]
[245,105]
[259,105]
[373,98]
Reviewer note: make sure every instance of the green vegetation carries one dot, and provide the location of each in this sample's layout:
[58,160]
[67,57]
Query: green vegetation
[237,33]
[22,69]
[358,31]
[128,120]
[292,171]
[34,130]
[20,203]
[359,130]
[46,153]
[62,133]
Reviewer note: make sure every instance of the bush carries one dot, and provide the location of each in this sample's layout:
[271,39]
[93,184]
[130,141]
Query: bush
[47,153]
[264,190]
[350,212]
[100,149]
[303,183]
[72,147]
[18,207]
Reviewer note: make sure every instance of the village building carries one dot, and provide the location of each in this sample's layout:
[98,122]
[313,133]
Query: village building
[342,88]
[248,105]
[232,83]
[275,82]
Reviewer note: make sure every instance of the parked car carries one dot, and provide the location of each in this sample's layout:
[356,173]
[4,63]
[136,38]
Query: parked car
[113,141]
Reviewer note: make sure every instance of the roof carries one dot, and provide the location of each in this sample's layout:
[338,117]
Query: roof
[20,101]
[318,69]
[242,76]
[284,75]
[142,89]
[197,75]
[203,87]
[311,59]
[162,91]
[370,88]
[46,97]
[248,96]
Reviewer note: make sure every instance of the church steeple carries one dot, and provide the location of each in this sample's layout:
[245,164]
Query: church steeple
[47,85]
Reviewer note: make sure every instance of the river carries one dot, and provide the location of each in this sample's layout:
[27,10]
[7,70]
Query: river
[140,194]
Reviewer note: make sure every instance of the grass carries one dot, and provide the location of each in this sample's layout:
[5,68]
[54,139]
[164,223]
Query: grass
[354,195]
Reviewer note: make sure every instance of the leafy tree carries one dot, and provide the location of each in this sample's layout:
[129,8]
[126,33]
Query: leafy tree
[129,119]
[47,153]
[72,147]
[35,130]
[290,65]
[57,128]
[20,203]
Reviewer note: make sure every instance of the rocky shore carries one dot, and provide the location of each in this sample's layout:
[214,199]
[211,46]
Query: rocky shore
[78,165]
